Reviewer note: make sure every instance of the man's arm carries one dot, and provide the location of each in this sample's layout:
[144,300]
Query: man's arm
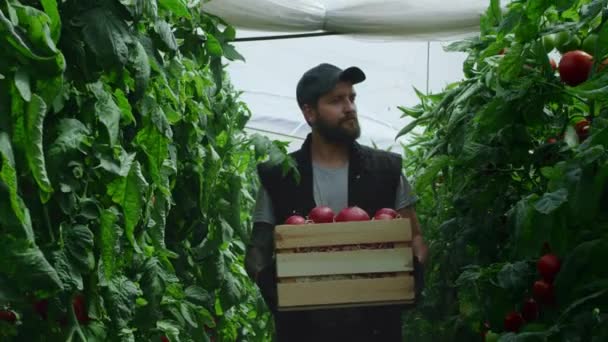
[259,256]
[404,203]
[418,244]
[259,250]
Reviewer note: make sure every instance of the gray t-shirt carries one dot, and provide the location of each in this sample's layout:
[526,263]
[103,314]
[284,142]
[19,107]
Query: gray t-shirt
[330,188]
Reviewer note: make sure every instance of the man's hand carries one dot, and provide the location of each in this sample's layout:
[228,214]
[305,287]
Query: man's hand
[259,250]
[254,262]
[421,250]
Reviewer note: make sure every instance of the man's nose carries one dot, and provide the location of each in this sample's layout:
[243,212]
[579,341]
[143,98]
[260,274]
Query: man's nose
[350,107]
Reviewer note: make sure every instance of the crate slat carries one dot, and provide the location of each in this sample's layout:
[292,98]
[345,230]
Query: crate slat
[342,306]
[342,233]
[333,293]
[345,262]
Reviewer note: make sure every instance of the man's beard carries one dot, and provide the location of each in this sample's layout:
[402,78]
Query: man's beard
[338,134]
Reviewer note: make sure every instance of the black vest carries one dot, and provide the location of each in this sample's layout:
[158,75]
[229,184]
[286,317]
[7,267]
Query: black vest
[373,178]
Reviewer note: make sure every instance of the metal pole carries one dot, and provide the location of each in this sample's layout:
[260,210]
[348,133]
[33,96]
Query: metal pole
[287,36]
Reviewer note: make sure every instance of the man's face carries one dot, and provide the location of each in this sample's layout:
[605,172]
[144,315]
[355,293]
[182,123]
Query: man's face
[335,117]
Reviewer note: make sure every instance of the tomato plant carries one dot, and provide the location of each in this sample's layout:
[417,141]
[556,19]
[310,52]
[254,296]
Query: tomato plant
[125,175]
[502,169]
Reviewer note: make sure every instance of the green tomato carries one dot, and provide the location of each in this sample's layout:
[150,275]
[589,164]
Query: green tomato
[589,44]
[492,336]
[564,41]
[549,42]
[560,38]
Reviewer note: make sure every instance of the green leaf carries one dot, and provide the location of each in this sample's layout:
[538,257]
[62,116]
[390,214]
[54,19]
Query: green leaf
[35,24]
[121,294]
[79,245]
[163,29]
[217,72]
[8,175]
[129,193]
[52,91]
[199,295]
[591,10]
[158,223]
[34,127]
[188,313]
[157,117]
[69,275]
[106,35]
[106,111]
[430,172]
[231,53]
[563,5]
[405,130]
[492,16]
[580,302]
[153,282]
[552,173]
[551,201]
[22,83]
[176,7]
[95,331]
[213,45]
[141,65]
[17,111]
[109,241]
[462,45]
[231,292]
[50,7]
[226,230]
[595,88]
[511,19]
[73,135]
[471,274]
[155,146]
[511,64]
[513,276]
[601,48]
[120,167]
[125,107]
[585,193]
[20,43]
[522,216]
[580,268]
[147,8]
[171,329]
[23,262]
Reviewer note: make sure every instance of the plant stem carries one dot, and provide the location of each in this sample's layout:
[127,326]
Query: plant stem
[47,221]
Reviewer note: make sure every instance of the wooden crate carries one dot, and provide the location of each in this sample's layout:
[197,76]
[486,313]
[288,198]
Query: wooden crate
[344,264]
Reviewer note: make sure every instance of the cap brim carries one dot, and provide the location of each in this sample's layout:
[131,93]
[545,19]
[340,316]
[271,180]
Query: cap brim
[353,75]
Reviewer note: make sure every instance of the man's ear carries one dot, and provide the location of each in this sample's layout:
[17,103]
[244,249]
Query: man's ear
[310,114]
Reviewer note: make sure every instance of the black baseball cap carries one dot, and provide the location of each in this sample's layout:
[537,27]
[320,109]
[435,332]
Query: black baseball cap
[322,79]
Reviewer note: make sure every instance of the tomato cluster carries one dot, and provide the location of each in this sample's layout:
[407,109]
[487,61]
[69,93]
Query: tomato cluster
[324,214]
[543,294]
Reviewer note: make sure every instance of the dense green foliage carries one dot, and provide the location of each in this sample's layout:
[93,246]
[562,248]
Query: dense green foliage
[125,175]
[513,164]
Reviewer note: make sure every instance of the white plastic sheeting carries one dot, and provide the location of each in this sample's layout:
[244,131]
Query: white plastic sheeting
[388,39]
[272,69]
[413,19]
